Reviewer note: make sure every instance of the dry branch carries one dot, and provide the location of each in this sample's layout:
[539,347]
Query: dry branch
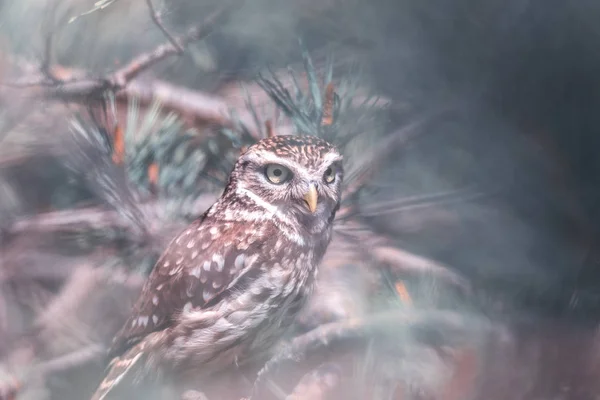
[385,149]
[158,21]
[385,253]
[72,360]
[453,329]
[85,88]
[318,383]
[89,218]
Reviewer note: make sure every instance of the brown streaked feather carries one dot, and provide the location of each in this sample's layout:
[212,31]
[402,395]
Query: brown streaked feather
[184,274]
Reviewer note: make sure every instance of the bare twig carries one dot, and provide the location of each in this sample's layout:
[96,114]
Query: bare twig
[407,262]
[387,147]
[403,204]
[89,218]
[146,60]
[155,15]
[382,250]
[71,360]
[47,58]
[190,103]
[453,328]
[194,106]
[318,383]
[99,5]
[77,89]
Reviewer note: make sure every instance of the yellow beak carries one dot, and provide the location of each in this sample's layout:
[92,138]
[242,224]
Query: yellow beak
[311,198]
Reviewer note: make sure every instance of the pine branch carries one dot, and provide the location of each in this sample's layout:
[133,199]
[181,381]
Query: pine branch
[318,383]
[90,218]
[85,88]
[432,328]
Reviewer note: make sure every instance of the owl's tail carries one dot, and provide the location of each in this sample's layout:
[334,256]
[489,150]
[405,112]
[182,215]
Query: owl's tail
[117,370]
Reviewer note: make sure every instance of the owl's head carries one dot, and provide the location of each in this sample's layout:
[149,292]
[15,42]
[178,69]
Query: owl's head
[299,176]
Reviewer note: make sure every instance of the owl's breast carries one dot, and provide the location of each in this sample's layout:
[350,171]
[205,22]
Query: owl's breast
[289,287]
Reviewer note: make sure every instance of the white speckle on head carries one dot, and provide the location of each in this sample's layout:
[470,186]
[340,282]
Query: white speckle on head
[196,272]
[143,321]
[213,230]
[191,244]
[219,261]
[194,254]
[206,265]
[155,300]
[206,295]
[134,323]
[205,245]
[239,261]
[159,287]
[167,263]
[179,260]
[154,319]
[173,271]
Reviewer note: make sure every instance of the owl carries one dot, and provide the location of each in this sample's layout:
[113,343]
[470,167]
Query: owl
[228,286]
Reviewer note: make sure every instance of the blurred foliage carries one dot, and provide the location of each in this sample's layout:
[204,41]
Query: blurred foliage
[518,82]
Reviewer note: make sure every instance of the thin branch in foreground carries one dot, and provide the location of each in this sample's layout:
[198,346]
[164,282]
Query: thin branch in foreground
[146,60]
[71,360]
[11,387]
[48,45]
[318,383]
[99,5]
[452,328]
[384,252]
[92,218]
[155,15]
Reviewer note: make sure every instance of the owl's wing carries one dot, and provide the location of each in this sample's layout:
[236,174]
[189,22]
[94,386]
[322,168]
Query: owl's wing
[200,264]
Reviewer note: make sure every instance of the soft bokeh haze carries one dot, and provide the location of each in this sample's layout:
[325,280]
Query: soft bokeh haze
[517,83]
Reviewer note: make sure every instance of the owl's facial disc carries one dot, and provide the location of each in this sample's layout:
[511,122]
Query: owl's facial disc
[297,180]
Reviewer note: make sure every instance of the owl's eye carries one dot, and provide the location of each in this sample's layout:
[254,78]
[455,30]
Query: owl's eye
[329,175]
[277,174]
